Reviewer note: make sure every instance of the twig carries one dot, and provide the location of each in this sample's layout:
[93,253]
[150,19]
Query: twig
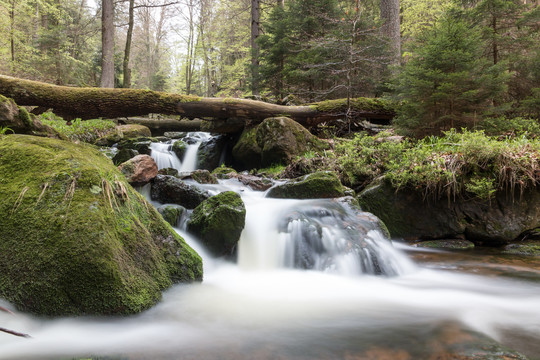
[15,333]
[5,310]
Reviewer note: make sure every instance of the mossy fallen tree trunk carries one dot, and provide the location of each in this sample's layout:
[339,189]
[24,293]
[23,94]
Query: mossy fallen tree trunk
[88,103]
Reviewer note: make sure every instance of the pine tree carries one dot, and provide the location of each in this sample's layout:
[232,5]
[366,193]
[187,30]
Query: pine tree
[447,83]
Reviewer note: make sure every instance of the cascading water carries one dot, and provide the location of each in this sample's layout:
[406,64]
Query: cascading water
[164,156]
[303,288]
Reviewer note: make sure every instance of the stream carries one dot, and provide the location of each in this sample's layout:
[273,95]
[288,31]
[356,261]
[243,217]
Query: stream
[313,280]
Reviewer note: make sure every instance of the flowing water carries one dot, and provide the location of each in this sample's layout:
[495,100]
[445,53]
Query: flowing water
[314,280]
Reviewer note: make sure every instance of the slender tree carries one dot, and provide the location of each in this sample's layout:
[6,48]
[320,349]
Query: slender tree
[390,26]
[255,31]
[107,44]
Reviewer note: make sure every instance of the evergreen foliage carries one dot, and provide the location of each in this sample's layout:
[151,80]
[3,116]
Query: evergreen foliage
[447,83]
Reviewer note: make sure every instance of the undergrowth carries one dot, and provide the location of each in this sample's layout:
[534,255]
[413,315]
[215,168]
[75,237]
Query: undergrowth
[79,130]
[452,165]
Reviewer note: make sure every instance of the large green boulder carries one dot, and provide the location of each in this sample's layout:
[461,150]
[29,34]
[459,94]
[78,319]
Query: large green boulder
[322,184]
[218,222]
[274,141]
[76,238]
[409,214]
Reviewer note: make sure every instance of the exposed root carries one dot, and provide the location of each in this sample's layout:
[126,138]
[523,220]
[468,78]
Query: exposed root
[45,186]
[19,200]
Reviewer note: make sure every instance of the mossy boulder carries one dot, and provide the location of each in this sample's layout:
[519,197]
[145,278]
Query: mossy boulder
[124,155]
[172,213]
[131,131]
[169,189]
[274,141]
[179,147]
[76,238]
[18,120]
[218,222]
[409,214]
[224,172]
[528,248]
[203,177]
[139,144]
[323,184]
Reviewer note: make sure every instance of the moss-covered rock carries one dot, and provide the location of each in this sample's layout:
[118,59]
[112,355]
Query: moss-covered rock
[131,131]
[529,248]
[408,214]
[76,238]
[124,155]
[172,213]
[169,189]
[451,244]
[274,141]
[218,222]
[18,120]
[203,177]
[139,144]
[179,147]
[209,153]
[323,184]
[224,172]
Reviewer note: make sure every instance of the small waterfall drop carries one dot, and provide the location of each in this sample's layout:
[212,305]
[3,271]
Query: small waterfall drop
[164,156]
[194,141]
[322,235]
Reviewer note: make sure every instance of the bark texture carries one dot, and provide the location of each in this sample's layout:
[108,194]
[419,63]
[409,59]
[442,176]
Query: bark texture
[390,26]
[90,103]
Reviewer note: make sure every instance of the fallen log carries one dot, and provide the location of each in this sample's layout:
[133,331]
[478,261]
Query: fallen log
[89,103]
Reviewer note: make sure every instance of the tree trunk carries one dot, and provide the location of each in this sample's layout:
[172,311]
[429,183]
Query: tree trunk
[90,103]
[107,43]
[12,32]
[390,27]
[127,51]
[255,30]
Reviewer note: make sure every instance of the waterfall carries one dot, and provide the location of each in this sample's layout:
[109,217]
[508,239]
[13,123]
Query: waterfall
[164,156]
[323,235]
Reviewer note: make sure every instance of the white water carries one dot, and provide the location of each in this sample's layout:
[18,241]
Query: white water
[164,156]
[263,308]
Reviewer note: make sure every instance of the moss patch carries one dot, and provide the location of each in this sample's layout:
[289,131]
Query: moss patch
[314,186]
[75,238]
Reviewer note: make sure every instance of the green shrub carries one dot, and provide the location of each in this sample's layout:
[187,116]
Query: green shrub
[86,131]
[517,126]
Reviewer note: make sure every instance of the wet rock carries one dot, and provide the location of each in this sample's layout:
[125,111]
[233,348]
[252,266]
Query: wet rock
[313,186]
[139,170]
[172,213]
[140,144]
[209,154]
[255,182]
[529,248]
[408,214]
[76,238]
[124,155]
[179,147]
[224,172]
[203,177]
[453,244]
[168,171]
[274,141]
[169,189]
[174,134]
[218,222]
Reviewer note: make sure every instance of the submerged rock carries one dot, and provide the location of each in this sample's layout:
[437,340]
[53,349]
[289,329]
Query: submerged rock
[313,186]
[139,170]
[76,238]
[274,141]
[218,222]
[169,189]
[453,244]
[409,215]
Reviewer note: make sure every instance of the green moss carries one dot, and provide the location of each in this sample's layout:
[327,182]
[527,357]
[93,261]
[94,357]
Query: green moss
[529,248]
[447,244]
[313,186]
[67,248]
[360,104]
[188,98]
[25,118]
[219,221]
